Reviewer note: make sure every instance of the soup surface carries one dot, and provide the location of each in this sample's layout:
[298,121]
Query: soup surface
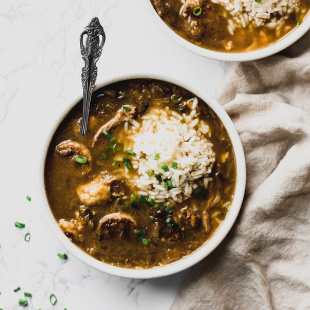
[229,25]
[151,180]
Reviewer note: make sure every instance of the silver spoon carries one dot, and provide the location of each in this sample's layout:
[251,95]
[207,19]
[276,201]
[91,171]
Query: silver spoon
[91,52]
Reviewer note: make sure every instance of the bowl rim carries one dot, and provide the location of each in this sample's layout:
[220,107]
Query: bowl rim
[200,253]
[280,45]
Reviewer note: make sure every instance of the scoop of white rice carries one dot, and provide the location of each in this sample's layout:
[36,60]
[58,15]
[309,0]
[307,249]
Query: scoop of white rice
[177,141]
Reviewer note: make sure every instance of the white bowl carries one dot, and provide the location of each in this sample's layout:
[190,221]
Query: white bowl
[201,252]
[283,43]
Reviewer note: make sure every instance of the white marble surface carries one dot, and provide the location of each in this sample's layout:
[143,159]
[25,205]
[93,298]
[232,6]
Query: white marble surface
[40,67]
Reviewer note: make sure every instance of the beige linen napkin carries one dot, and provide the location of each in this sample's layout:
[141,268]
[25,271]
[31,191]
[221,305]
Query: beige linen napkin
[264,262]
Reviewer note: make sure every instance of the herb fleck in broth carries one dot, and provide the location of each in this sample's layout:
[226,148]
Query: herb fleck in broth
[210,28]
[120,226]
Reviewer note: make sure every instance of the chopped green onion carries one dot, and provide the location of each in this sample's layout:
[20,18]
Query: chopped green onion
[128,163]
[104,156]
[158,177]
[175,165]
[258,1]
[298,19]
[124,207]
[53,299]
[137,232]
[156,157]
[62,256]
[19,225]
[152,218]
[28,198]
[145,241]
[126,108]
[108,136]
[169,222]
[142,233]
[118,147]
[81,159]
[17,289]
[134,205]
[141,199]
[149,173]
[165,208]
[181,110]
[176,98]
[130,152]
[133,198]
[150,201]
[168,184]
[27,237]
[116,165]
[154,243]
[27,294]
[197,10]
[164,167]
[23,302]
[122,95]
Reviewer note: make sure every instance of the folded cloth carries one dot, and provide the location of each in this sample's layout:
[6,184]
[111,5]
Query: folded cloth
[264,262]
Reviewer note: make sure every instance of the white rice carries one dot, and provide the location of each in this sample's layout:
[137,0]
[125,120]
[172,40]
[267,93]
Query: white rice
[245,12]
[176,139]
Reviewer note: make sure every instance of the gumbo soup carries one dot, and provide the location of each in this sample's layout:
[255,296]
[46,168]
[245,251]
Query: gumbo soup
[230,25]
[151,180]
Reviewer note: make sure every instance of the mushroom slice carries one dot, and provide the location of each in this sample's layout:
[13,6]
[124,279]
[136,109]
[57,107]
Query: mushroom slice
[73,149]
[121,116]
[116,225]
[97,190]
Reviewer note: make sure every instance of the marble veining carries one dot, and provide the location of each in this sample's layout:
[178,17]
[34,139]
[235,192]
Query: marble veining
[40,67]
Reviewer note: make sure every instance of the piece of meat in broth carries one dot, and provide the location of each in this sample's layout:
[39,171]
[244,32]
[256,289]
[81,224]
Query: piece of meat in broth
[70,229]
[121,116]
[188,217]
[161,7]
[72,149]
[98,189]
[116,225]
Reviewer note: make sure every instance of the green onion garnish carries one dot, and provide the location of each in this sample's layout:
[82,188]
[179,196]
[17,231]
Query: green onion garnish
[142,199]
[164,167]
[175,165]
[27,294]
[116,165]
[23,302]
[17,289]
[122,95]
[81,159]
[197,10]
[145,241]
[158,177]
[149,173]
[181,110]
[126,108]
[154,243]
[27,237]
[130,152]
[165,208]
[108,136]
[169,222]
[152,218]
[104,156]
[124,207]
[168,184]
[176,98]
[28,198]
[156,157]
[53,299]
[298,19]
[258,1]
[128,163]
[118,147]
[134,205]
[62,256]
[143,233]
[133,198]
[19,225]
[150,201]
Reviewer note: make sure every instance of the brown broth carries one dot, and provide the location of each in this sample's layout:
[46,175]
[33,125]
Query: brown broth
[214,20]
[63,176]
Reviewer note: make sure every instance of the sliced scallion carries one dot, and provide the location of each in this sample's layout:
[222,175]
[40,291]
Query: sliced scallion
[168,184]
[116,165]
[27,294]
[156,157]
[176,98]
[175,165]
[104,156]
[17,289]
[28,198]
[169,222]
[108,136]
[152,218]
[124,207]
[53,299]
[162,206]
[197,10]
[158,177]
[154,243]
[128,163]
[126,108]
[62,256]
[81,159]
[19,225]
[142,199]
[23,302]
[134,205]
[150,201]
[130,152]
[145,241]
[133,198]
[164,167]
[149,173]
[27,237]
[118,147]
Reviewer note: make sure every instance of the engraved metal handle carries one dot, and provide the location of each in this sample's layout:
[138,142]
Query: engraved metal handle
[90,51]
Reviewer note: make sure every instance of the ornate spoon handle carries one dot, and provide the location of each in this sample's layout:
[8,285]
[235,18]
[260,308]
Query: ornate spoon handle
[91,51]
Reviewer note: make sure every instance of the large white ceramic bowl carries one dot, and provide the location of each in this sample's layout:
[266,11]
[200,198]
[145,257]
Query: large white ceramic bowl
[186,261]
[285,42]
